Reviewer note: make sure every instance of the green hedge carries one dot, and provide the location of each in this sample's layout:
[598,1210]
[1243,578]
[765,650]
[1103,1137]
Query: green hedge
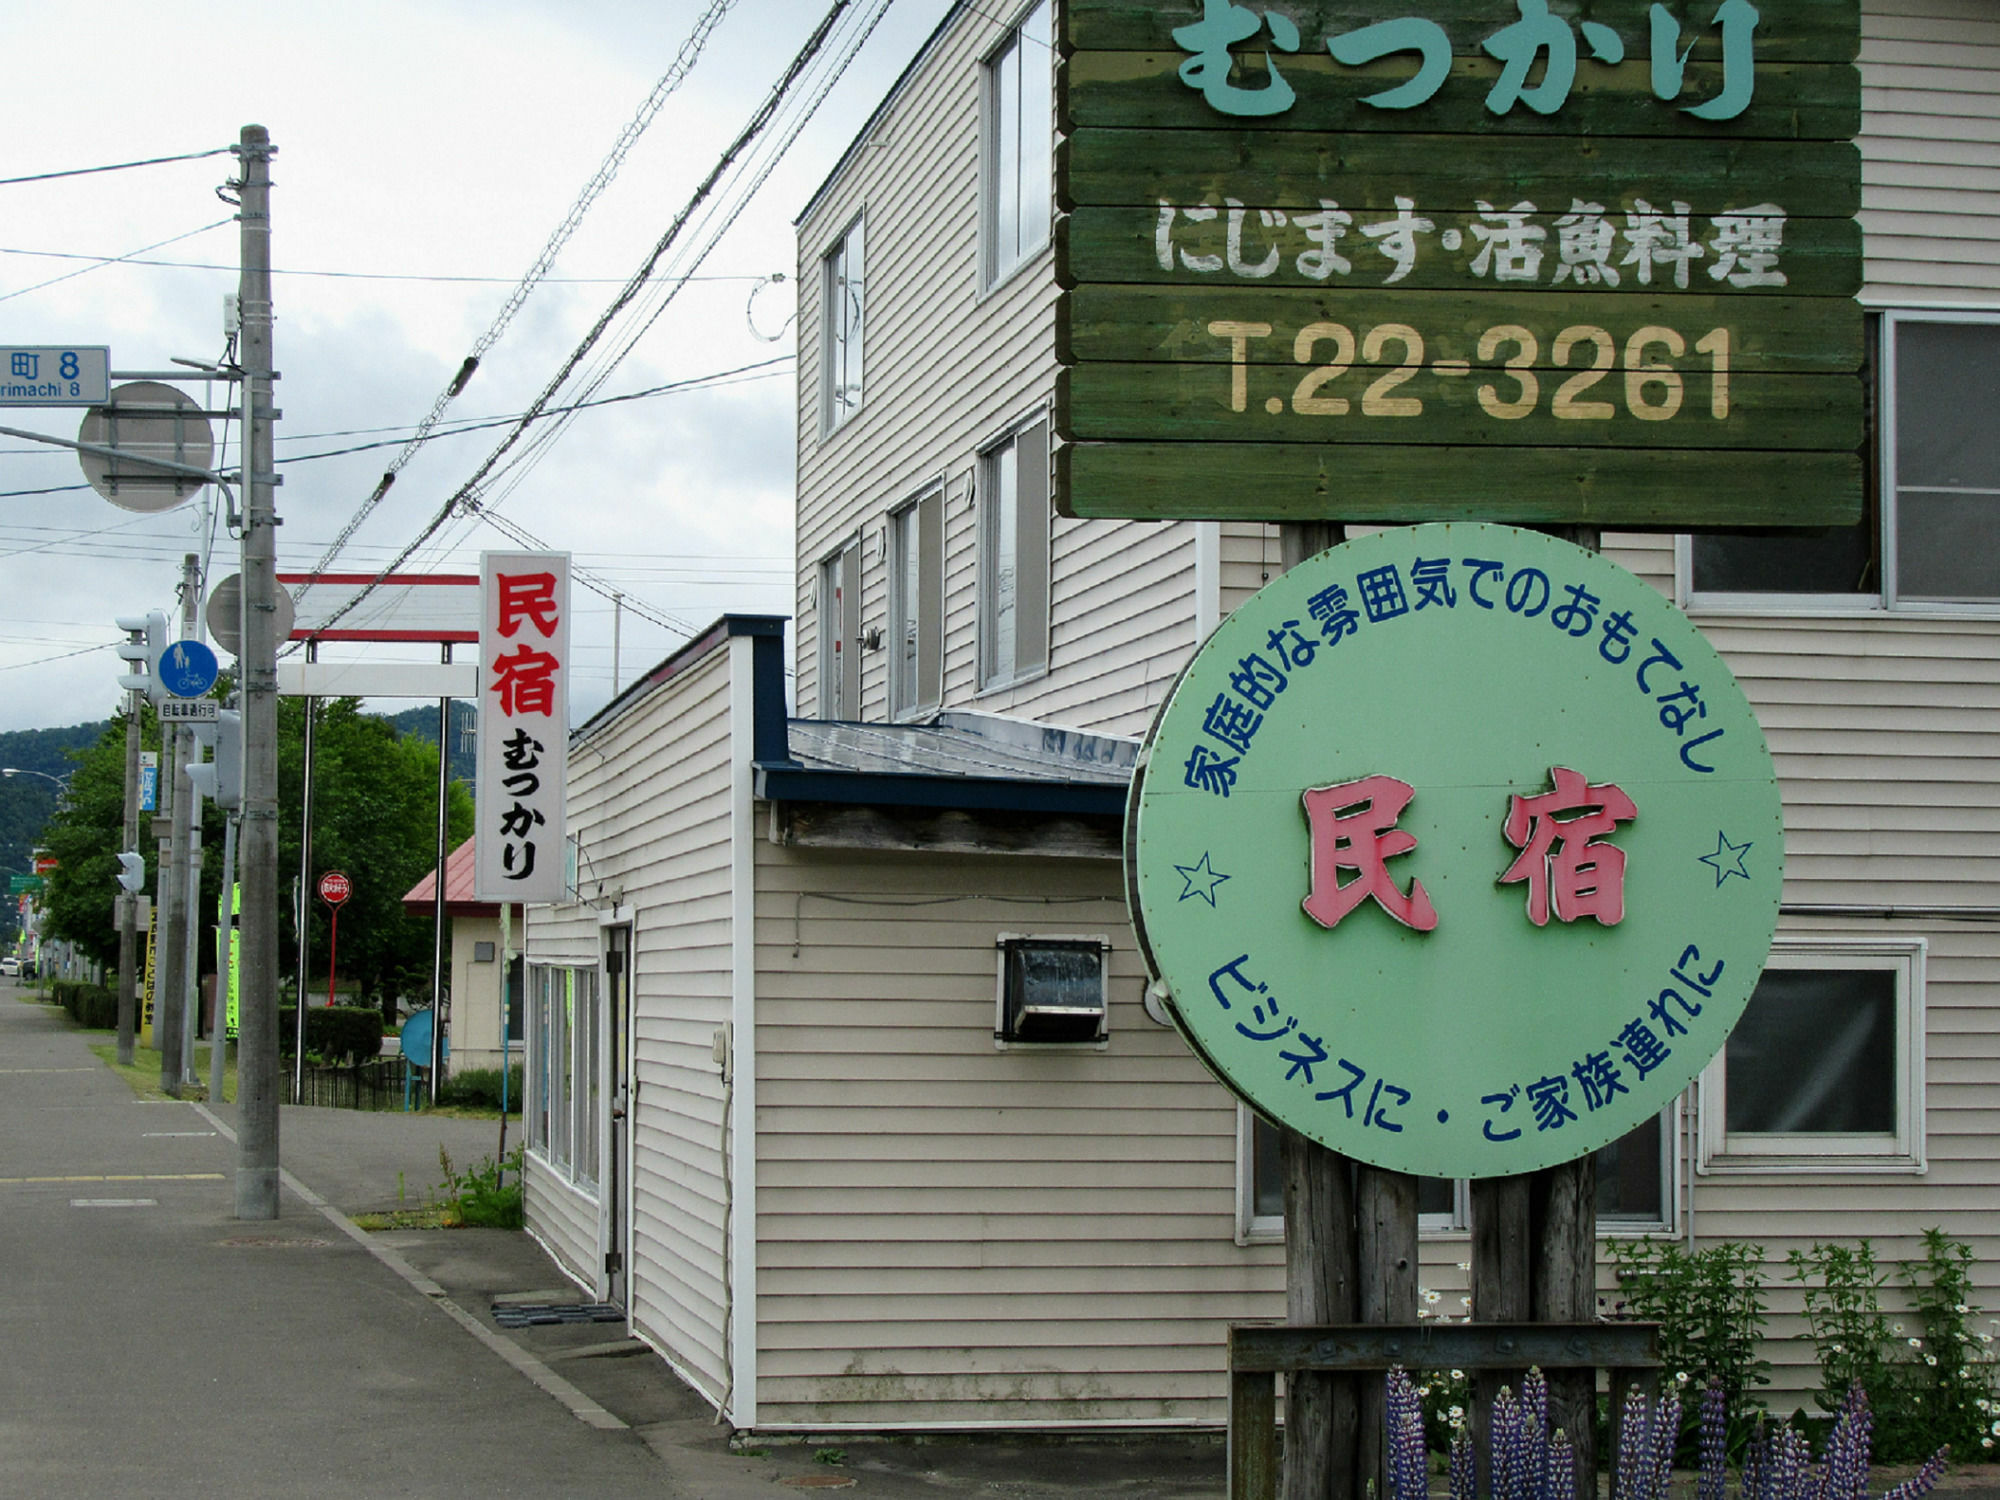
[338,1033]
[89,1005]
[480,1088]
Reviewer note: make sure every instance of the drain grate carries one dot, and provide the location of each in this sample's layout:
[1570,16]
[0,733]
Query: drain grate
[524,1314]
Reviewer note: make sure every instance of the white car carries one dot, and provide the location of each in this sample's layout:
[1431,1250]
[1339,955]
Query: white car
[10,966]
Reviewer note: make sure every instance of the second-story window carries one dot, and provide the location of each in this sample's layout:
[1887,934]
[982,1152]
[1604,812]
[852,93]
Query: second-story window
[845,316]
[1932,542]
[1014,556]
[1020,148]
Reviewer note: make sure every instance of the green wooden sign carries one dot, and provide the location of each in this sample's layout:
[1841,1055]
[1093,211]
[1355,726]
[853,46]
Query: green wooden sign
[1486,261]
[1458,849]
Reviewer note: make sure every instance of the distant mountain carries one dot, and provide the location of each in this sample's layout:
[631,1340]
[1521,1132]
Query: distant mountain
[26,801]
[422,722]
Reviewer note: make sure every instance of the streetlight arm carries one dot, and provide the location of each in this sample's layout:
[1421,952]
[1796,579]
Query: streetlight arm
[61,781]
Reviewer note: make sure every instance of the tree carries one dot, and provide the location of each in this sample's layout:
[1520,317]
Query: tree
[374,816]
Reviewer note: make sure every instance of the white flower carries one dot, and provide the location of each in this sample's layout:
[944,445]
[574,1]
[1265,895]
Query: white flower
[1465,1265]
[1838,1350]
[1433,1297]
[1465,1302]
[1458,1374]
[1457,1413]
[1986,1442]
[1915,1343]
[1680,1377]
[1984,1338]
[1996,1428]
[1930,1359]
[1961,1309]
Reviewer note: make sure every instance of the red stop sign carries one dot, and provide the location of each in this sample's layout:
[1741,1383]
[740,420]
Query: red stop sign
[334,887]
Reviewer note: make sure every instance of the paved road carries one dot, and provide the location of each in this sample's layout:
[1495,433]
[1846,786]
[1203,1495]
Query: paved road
[155,1346]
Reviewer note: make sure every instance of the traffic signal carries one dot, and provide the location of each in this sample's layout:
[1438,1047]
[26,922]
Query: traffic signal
[132,870]
[221,780]
[145,639]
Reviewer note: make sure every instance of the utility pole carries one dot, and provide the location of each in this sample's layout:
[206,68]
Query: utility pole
[128,903]
[167,1003]
[257,1032]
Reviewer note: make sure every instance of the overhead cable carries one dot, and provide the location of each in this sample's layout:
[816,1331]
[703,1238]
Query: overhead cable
[669,81]
[468,491]
[86,270]
[123,166]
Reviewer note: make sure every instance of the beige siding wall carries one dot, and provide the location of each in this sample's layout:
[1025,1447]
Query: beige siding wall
[1930,149]
[928,1251]
[650,802]
[953,1234]
[949,370]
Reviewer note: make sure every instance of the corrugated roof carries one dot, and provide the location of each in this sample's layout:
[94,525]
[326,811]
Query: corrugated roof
[458,898]
[965,744]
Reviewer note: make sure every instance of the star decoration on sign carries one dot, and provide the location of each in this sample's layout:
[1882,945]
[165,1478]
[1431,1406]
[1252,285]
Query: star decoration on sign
[1201,880]
[1727,859]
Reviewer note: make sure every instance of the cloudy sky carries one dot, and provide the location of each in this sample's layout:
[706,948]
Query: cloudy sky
[427,152]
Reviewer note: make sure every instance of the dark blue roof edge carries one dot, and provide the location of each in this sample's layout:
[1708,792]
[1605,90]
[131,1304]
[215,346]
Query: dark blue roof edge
[793,783]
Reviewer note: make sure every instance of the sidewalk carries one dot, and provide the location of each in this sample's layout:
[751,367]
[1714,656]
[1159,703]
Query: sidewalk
[161,1347]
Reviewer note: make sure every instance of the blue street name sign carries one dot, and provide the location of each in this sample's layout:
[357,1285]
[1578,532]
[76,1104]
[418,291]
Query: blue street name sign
[187,669]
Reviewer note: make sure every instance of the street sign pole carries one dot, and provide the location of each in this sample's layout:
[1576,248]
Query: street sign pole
[169,1003]
[257,1037]
[334,889]
[128,901]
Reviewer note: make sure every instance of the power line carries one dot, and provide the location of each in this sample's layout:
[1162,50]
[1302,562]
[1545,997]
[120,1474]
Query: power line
[671,80]
[123,166]
[758,371]
[205,265]
[86,270]
[725,210]
[466,492]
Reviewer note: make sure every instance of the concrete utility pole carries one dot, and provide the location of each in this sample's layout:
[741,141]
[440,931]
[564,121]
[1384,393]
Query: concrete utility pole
[257,1032]
[167,1008]
[128,901]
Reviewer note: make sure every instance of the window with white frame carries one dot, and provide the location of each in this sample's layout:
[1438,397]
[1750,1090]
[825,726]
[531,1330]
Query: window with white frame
[840,633]
[563,1084]
[1825,1072]
[1014,557]
[845,307]
[1932,539]
[1634,1183]
[916,605]
[1020,102]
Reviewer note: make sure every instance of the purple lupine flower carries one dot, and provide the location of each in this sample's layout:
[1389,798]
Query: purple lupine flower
[1405,1439]
[1559,1473]
[1509,1478]
[1631,1444]
[1847,1449]
[1714,1438]
[1757,1462]
[1535,1435]
[1660,1445]
[1465,1471]
[1924,1480]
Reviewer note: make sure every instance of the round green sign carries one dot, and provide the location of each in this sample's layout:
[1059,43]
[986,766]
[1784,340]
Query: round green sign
[1458,849]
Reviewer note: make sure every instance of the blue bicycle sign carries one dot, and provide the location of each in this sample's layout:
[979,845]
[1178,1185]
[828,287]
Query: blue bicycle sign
[187,669]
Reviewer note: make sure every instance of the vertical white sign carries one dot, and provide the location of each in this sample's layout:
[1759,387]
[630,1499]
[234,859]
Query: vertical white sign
[523,725]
